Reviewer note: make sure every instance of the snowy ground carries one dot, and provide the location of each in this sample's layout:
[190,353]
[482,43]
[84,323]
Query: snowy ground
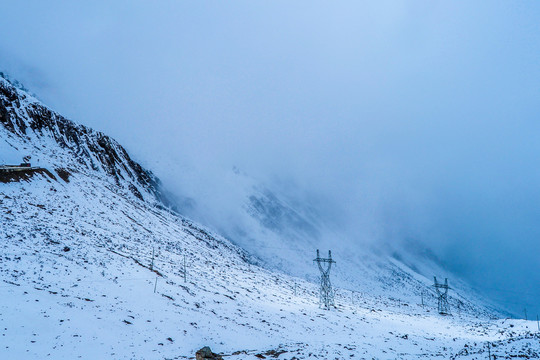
[97,300]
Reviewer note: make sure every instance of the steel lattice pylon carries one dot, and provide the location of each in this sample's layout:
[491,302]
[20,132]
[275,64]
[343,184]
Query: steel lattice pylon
[442,292]
[326,295]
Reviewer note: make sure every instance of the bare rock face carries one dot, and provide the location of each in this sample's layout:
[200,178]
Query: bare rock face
[206,354]
[21,115]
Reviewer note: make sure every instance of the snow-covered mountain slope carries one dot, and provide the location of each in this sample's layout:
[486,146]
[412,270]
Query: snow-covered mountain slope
[92,267]
[282,232]
[44,133]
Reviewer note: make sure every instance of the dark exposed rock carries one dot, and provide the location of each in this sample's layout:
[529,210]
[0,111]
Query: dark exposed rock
[275,353]
[90,148]
[135,191]
[63,174]
[24,175]
[206,354]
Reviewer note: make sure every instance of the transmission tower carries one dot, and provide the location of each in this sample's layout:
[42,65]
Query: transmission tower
[442,292]
[326,295]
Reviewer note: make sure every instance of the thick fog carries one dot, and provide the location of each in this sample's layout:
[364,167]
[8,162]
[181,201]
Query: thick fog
[398,120]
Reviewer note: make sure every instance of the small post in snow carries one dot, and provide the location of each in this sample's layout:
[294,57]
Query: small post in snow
[152,263]
[525,310]
[185,271]
[155,285]
[489,350]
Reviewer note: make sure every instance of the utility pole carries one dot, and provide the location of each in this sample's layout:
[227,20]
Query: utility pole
[326,293]
[155,285]
[525,310]
[442,292]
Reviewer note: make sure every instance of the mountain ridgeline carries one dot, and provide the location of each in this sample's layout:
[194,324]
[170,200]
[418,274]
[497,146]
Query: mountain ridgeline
[21,115]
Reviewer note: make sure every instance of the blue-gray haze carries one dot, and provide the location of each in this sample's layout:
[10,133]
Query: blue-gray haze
[406,119]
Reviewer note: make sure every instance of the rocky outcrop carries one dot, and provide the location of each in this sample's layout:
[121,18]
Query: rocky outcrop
[24,175]
[206,354]
[21,114]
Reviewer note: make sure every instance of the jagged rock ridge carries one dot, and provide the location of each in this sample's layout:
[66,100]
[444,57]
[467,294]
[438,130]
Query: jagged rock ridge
[20,114]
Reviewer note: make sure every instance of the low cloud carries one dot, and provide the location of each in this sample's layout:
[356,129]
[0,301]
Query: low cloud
[394,120]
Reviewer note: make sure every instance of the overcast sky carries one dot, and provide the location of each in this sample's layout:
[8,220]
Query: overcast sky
[419,119]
